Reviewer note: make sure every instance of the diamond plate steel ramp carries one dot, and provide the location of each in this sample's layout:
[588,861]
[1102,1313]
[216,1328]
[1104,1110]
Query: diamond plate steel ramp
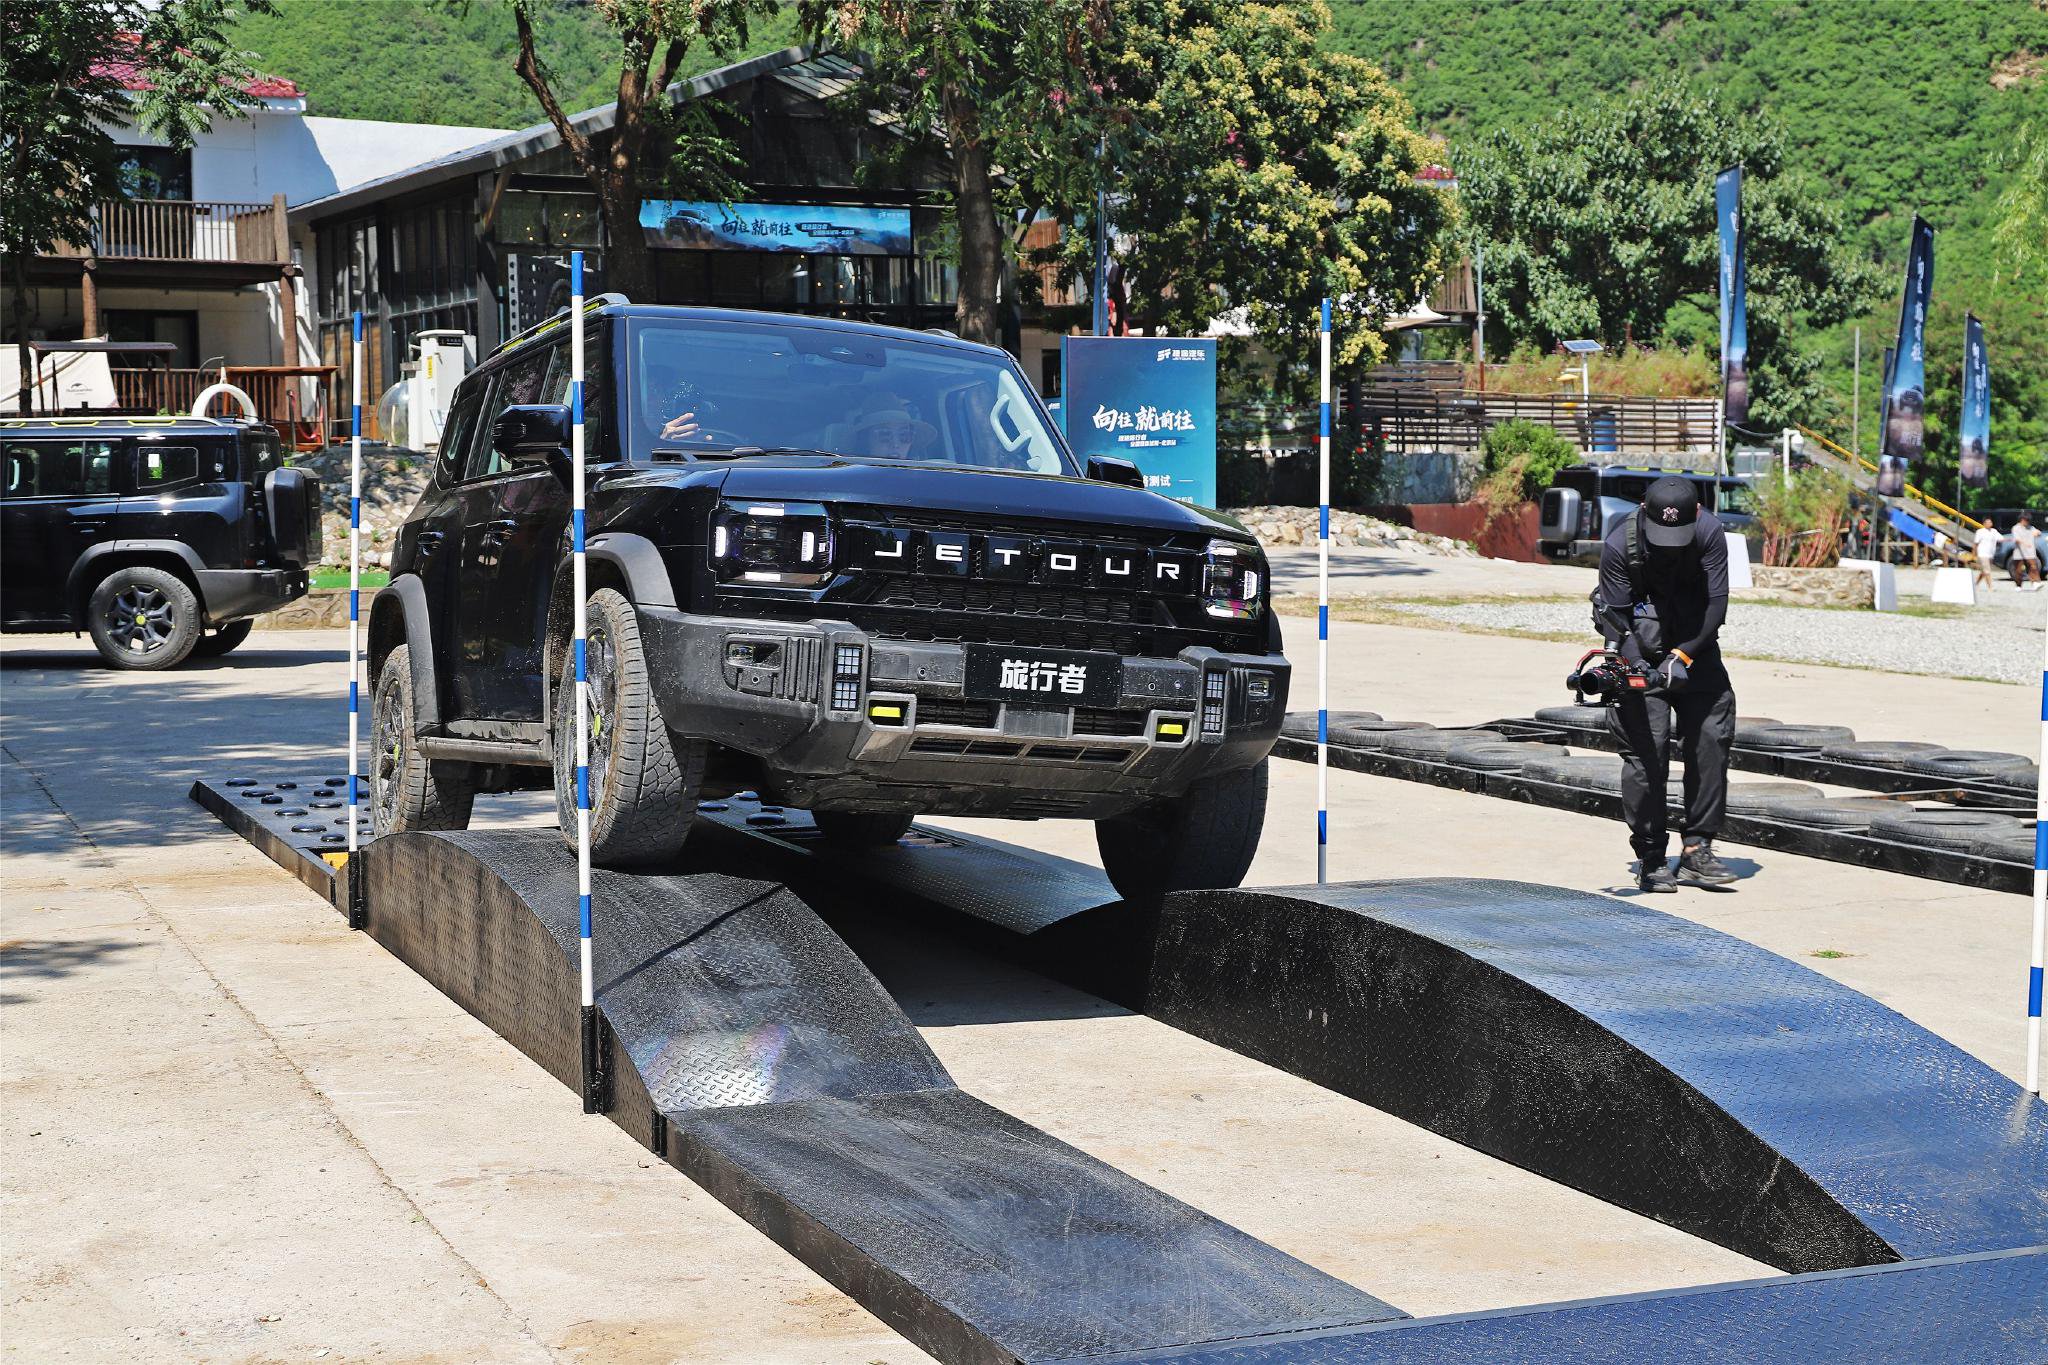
[1990,1309]
[1640,1057]
[752,1050]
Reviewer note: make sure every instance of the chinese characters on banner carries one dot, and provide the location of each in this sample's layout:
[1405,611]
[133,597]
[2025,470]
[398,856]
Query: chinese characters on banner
[1905,424]
[1973,434]
[1150,400]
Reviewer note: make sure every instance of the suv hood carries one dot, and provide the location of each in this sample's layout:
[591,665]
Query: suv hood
[950,488]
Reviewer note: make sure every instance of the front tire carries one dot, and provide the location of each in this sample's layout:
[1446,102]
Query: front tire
[407,789]
[1203,840]
[643,780]
[223,640]
[143,618]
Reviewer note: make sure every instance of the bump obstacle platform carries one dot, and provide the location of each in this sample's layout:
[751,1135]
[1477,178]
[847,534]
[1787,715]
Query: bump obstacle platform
[1637,1056]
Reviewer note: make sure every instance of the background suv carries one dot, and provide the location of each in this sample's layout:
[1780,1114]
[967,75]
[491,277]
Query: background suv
[160,537]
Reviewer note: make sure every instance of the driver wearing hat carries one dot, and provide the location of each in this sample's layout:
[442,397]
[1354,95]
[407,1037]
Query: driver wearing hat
[1668,562]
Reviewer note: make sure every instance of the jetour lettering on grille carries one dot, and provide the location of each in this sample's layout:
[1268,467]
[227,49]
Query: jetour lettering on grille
[1025,559]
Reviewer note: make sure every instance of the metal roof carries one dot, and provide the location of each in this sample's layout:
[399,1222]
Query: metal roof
[809,72]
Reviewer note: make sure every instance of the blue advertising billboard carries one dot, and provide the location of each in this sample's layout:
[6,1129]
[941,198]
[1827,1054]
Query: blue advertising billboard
[818,229]
[1151,400]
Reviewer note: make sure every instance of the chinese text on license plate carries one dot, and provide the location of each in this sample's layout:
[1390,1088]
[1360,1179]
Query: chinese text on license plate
[1050,677]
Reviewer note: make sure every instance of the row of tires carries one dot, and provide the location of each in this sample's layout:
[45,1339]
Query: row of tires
[1984,833]
[645,780]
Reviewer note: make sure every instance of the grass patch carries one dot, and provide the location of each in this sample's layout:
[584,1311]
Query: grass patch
[338,578]
[1829,953]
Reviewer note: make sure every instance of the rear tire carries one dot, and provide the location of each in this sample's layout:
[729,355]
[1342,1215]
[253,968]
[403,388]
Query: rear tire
[223,640]
[407,789]
[1201,841]
[144,619]
[861,829]
[643,780]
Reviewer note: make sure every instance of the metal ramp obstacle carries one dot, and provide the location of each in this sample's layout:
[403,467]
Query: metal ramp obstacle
[1639,1057]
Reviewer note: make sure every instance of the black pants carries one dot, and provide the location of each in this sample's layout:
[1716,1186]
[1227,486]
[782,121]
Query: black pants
[1705,724]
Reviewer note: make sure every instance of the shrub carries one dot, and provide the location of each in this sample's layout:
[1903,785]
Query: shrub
[1518,460]
[1801,520]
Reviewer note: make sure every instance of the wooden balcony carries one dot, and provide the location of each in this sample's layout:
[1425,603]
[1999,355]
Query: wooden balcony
[178,242]
[299,400]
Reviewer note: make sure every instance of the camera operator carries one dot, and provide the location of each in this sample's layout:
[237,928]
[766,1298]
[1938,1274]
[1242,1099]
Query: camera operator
[1662,597]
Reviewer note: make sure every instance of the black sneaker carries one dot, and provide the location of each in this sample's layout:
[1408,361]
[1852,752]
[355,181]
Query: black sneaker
[1698,866]
[1655,877]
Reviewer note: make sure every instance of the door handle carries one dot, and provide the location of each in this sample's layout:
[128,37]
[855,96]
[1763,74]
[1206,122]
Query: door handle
[427,541]
[498,532]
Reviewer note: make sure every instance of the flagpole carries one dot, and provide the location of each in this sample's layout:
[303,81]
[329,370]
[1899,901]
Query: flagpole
[355,585]
[2034,972]
[1323,623]
[592,1062]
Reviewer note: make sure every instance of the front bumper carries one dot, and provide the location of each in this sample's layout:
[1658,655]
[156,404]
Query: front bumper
[231,594]
[905,736]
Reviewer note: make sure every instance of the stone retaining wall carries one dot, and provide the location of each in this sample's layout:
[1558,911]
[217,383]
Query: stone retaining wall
[1810,587]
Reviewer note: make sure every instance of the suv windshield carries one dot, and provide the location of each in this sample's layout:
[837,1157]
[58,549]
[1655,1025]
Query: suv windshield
[708,387]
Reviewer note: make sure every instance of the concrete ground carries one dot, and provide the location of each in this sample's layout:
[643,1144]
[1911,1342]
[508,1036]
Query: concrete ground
[238,1132]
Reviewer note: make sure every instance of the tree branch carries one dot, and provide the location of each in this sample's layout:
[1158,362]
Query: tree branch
[529,68]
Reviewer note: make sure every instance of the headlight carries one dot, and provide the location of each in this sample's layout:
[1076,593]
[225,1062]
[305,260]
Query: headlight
[784,543]
[1233,580]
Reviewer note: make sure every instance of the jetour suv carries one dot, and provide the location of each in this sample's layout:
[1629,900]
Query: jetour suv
[161,537]
[852,568]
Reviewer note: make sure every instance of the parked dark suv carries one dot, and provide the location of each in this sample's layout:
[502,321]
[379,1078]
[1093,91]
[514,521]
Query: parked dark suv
[161,537]
[851,568]
[1585,502]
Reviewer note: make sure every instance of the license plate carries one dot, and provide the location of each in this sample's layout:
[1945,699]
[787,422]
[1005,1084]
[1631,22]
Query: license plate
[1048,677]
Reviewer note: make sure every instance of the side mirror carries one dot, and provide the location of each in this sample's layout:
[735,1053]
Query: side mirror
[1115,469]
[531,433]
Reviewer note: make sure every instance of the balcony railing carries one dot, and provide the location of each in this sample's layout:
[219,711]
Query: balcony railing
[187,230]
[296,399]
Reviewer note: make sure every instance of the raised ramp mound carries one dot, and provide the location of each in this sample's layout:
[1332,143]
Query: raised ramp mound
[751,1049]
[1643,1058]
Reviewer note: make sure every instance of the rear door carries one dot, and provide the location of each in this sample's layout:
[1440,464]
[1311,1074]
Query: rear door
[59,499]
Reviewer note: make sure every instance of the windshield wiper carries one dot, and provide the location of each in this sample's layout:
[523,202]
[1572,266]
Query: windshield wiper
[736,452]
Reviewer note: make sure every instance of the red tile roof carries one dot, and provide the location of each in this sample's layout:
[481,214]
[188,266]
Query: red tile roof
[125,69]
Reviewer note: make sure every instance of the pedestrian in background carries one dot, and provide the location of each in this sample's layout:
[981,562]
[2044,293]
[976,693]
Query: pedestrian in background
[2026,554]
[1986,542]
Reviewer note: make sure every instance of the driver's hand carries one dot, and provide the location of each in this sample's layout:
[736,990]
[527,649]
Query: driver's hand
[681,428]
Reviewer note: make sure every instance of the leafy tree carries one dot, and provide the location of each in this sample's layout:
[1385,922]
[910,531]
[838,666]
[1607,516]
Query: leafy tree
[59,102]
[651,143]
[2022,232]
[1600,221]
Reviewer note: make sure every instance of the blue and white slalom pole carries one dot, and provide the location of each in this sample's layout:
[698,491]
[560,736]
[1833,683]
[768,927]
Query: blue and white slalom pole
[1323,625]
[355,586]
[2040,893]
[592,1063]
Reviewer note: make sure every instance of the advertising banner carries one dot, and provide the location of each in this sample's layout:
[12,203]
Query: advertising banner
[818,229]
[1905,414]
[1734,297]
[1150,400]
[1973,433]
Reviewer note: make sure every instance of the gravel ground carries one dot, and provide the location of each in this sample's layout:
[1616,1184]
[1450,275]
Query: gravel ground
[2002,643]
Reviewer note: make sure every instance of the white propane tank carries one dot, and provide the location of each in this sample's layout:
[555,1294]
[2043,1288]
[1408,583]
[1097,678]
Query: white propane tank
[441,360]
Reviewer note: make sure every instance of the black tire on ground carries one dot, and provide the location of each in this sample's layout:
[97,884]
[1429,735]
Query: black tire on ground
[1793,737]
[1969,763]
[1879,753]
[1430,743]
[1745,726]
[1494,756]
[1957,830]
[1852,813]
[1588,771]
[407,789]
[1768,798]
[1578,717]
[143,618]
[1203,840]
[216,643]
[861,829]
[2015,845]
[643,780]
[1365,733]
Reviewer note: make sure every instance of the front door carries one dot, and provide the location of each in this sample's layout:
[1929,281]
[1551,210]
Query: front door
[58,501]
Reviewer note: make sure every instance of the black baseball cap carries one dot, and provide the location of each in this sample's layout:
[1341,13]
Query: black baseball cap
[1670,509]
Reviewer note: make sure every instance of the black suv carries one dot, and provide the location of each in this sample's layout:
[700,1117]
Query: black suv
[851,568]
[161,537]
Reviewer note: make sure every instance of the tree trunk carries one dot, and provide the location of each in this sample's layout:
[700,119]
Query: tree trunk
[974,207]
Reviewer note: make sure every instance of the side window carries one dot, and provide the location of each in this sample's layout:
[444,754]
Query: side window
[456,431]
[164,467]
[521,382]
[594,386]
[53,469]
